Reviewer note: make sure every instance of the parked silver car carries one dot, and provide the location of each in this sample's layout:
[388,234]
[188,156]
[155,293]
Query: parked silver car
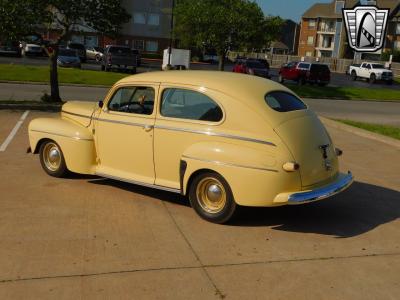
[95,53]
[68,58]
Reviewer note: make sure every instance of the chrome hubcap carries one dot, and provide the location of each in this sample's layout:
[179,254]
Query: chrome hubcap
[211,195]
[52,156]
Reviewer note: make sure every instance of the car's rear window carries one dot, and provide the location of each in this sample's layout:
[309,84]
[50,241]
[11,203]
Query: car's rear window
[255,65]
[319,68]
[284,102]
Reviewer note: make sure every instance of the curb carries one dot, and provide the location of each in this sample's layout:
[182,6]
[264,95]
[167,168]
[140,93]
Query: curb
[31,106]
[361,132]
[62,84]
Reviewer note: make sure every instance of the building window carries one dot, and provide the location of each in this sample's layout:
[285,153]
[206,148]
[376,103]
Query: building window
[311,23]
[152,46]
[309,53]
[154,19]
[139,45]
[310,40]
[397,45]
[139,18]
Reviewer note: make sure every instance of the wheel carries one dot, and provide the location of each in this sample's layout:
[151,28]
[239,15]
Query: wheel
[98,58]
[372,79]
[211,198]
[281,79]
[52,159]
[353,75]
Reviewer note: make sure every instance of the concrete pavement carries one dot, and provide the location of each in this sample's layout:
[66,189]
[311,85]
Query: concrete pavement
[87,237]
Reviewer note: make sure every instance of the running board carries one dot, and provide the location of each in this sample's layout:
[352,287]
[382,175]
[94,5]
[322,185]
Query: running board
[154,186]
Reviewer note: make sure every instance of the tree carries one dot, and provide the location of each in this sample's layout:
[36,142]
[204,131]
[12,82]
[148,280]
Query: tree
[272,28]
[104,16]
[222,25]
[19,18]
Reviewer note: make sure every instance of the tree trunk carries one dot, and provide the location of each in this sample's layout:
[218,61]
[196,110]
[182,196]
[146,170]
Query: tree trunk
[55,91]
[221,62]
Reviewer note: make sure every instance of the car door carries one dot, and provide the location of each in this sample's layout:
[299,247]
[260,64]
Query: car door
[124,134]
[185,117]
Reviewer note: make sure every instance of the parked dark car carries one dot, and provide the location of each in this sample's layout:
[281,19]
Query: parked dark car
[81,50]
[68,58]
[120,57]
[305,72]
[138,57]
[251,67]
[10,48]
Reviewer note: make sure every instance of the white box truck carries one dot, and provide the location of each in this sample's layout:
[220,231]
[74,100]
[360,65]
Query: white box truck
[179,58]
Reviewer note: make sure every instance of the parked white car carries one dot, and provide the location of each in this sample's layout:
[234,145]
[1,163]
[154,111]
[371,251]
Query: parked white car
[371,72]
[31,49]
[95,53]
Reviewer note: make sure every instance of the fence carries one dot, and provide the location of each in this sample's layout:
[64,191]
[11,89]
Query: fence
[338,65]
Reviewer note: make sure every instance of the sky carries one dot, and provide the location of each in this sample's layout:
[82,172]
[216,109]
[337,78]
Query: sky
[287,9]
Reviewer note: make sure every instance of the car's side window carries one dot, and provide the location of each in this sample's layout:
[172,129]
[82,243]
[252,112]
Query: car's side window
[135,100]
[191,105]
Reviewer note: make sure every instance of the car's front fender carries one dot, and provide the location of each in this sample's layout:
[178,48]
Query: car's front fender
[76,142]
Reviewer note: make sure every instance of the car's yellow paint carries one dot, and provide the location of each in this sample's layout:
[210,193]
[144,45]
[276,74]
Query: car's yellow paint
[248,147]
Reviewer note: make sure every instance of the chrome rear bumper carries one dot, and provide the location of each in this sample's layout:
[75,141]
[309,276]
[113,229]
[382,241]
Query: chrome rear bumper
[340,184]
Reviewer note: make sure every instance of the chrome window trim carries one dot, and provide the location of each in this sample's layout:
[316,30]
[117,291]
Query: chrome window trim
[158,187]
[63,135]
[210,133]
[229,164]
[121,122]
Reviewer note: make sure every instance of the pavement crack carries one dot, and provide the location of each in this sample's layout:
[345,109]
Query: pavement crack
[218,292]
[203,267]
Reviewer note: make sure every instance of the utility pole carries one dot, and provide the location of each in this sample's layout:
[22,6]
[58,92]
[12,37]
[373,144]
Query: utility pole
[172,34]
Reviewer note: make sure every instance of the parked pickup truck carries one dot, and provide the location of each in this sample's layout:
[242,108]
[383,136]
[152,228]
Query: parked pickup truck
[120,57]
[371,71]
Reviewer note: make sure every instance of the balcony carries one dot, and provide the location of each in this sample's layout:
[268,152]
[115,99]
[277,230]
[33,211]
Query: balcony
[326,30]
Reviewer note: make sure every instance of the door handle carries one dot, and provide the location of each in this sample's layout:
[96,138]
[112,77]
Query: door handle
[148,128]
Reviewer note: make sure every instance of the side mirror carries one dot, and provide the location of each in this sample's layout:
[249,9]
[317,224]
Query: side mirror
[101,104]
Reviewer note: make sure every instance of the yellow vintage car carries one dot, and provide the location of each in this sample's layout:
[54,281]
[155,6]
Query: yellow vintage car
[222,139]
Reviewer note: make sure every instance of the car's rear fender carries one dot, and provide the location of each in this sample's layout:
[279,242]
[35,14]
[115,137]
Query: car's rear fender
[75,141]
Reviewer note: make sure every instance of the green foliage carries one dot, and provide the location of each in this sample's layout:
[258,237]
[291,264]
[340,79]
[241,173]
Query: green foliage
[272,29]
[221,25]
[20,18]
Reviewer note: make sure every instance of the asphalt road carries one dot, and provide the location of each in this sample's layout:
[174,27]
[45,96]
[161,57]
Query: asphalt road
[86,237]
[364,111]
[336,80]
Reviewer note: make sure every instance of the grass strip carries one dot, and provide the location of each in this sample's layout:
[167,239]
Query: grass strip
[387,130]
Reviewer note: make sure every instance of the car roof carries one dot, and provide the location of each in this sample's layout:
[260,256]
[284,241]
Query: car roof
[240,86]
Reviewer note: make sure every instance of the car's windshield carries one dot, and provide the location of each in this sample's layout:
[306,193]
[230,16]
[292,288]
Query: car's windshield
[377,66]
[67,52]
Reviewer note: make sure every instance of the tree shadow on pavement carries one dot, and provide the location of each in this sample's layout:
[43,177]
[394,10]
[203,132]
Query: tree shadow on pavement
[358,210]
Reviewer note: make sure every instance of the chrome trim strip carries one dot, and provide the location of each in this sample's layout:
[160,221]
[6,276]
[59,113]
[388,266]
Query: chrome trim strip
[158,187]
[324,192]
[121,122]
[63,135]
[210,133]
[74,114]
[229,164]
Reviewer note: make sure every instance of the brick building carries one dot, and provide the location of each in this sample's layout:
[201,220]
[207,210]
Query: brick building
[323,32]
